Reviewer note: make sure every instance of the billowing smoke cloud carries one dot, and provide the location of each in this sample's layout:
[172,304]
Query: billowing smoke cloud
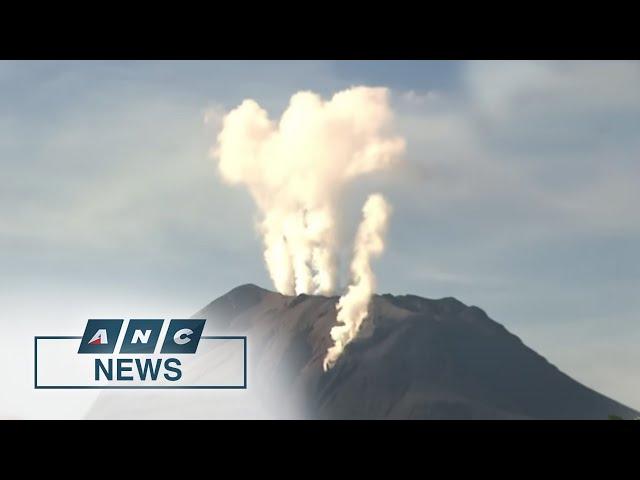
[354,305]
[295,170]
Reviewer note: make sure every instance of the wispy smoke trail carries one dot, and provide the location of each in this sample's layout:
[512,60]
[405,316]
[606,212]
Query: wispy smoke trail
[354,305]
[295,170]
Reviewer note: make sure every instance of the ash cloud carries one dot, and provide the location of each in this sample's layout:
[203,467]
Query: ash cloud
[296,168]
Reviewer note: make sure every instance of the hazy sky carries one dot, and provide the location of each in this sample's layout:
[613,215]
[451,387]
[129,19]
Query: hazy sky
[518,193]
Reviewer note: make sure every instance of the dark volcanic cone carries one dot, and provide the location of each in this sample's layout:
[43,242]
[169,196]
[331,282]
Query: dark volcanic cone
[413,358]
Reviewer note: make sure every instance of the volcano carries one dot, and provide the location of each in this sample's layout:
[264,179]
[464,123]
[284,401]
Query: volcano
[414,358]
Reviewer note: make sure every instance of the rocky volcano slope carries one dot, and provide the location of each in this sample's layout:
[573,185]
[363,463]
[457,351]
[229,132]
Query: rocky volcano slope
[414,358]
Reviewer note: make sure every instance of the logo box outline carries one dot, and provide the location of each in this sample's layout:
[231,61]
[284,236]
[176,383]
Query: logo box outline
[139,387]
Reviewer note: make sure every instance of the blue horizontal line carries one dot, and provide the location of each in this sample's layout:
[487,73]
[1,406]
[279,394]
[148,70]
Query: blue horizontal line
[223,337]
[208,337]
[112,387]
[58,338]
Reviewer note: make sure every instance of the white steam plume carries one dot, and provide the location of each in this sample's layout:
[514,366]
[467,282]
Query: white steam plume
[295,170]
[354,305]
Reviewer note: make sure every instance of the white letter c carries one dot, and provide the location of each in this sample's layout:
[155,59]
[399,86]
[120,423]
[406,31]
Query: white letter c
[182,336]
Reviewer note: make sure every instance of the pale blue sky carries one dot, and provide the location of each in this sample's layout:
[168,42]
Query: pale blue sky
[518,193]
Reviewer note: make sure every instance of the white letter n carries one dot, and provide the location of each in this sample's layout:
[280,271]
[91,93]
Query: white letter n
[140,336]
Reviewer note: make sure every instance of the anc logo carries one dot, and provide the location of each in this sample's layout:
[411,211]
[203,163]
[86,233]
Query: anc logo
[141,336]
[141,353]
